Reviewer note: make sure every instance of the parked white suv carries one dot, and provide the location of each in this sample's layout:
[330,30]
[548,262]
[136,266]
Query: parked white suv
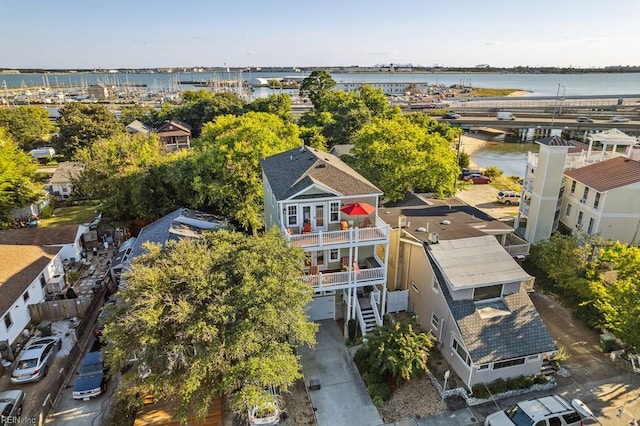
[549,410]
[509,197]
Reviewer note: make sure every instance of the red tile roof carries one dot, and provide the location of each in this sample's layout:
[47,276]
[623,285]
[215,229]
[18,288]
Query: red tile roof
[608,175]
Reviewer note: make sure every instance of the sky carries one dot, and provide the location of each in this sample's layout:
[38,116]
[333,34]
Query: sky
[306,33]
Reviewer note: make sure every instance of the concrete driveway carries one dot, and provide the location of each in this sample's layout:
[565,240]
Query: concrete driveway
[342,398]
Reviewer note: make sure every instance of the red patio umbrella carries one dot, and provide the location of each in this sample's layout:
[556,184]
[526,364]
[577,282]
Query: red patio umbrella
[358,209]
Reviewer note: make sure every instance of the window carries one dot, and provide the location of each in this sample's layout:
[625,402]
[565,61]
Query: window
[568,210]
[533,357]
[334,211]
[43,282]
[590,228]
[25,296]
[334,254]
[579,223]
[292,215]
[64,190]
[434,285]
[435,321]
[7,321]
[573,187]
[596,202]
[489,292]
[460,351]
[483,367]
[585,193]
[415,288]
[554,421]
[510,363]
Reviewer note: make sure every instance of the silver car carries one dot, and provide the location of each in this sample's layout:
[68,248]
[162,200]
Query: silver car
[36,359]
[11,405]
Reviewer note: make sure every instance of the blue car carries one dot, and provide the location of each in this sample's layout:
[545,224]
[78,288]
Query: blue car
[92,380]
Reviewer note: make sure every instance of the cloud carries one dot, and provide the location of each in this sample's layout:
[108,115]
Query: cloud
[492,43]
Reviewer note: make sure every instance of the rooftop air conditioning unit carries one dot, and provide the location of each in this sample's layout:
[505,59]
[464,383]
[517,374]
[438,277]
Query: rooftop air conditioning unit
[434,238]
[403,221]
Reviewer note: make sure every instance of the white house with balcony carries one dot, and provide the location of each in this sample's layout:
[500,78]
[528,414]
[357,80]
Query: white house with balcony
[571,185]
[307,193]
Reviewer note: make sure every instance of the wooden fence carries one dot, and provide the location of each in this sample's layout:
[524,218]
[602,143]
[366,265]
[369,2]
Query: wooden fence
[60,309]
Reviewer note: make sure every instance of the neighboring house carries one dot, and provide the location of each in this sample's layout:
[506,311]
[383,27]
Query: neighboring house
[62,180]
[27,274]
[570,184]
[69,238]
[464,286]
[137,126]
[305,193]
[99,92]
[181,223]
[174,135]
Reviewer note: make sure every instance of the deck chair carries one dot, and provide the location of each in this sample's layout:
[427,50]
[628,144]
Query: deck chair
[306,228]
[314,270]
[366,223]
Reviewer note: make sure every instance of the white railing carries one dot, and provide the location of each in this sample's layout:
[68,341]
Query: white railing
[375,305]
[331,238]
[337,280]
[363,325]
[524,208]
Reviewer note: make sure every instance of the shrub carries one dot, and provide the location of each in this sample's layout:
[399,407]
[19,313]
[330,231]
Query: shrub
[464,160]
[379,392]
[493,172]
[484,391]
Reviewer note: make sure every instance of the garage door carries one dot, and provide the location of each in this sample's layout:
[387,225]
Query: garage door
[321,307]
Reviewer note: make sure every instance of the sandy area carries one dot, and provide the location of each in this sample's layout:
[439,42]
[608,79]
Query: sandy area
[519,93]
[470,145]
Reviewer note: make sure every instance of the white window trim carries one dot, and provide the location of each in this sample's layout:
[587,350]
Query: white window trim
[337,204]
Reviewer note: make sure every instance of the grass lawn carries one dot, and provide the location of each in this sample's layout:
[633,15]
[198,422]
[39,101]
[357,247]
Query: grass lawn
[72,215]
[486,92]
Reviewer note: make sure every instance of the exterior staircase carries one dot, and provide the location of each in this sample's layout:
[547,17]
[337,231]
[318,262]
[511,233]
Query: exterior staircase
[549,368]
[369,319]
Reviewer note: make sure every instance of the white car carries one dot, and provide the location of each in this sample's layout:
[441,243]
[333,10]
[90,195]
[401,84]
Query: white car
[11,405]
[618,119]
[36,359]
[548,410]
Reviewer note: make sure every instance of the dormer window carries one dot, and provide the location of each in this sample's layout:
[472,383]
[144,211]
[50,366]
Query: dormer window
[486,293]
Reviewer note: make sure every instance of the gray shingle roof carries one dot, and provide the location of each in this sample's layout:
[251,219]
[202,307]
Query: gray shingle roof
[490,338]
[292,171]
[179,223]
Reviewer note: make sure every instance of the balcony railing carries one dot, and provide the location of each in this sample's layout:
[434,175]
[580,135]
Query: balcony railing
[338,280]
[516,246]
[336,238]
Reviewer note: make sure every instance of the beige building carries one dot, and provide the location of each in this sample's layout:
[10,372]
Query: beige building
[576,188]
[99,92]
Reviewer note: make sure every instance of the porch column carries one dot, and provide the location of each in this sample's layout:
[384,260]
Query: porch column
[383,303]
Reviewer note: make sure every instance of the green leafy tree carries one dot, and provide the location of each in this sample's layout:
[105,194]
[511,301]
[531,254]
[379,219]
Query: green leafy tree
[279,105]
[131,174]
[616,290]
[81,125]
[18,179]
[28,125]
[233,147]
[145,114]
[211,317]
[316,86]
[493,172]
[399,156]
[203,107]
[563,258]
[464,160]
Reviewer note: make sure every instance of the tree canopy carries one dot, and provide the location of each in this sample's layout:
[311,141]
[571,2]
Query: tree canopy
[18,185]
[208,317]
[399,156]
[132,176]
[279,105]
[28,125]
[316,86]
[232,147]
[81,125]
